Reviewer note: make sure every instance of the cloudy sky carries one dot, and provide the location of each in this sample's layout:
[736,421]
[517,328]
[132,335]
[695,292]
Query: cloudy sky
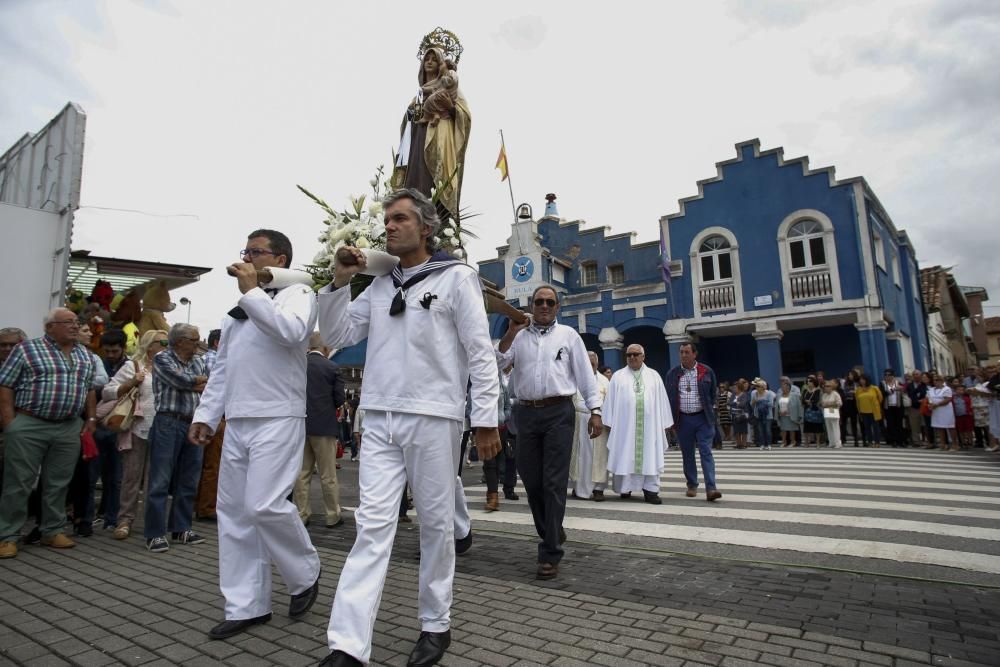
[206,114]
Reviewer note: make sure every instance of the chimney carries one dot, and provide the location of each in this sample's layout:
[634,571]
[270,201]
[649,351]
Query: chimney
[550,206]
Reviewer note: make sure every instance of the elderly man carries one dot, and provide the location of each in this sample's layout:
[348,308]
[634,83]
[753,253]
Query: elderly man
[179,377]
[259,382]
[45,385]
[550,366]
[324,392]
[693,389]
[638,415]
[428,337]
[588,467]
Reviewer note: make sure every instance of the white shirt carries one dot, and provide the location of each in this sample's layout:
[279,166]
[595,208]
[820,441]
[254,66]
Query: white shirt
[554,363]
[260,370]
[420,361]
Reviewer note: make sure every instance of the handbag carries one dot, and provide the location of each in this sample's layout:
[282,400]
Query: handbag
[925,408]
[122,414]
[88,446]
[340,449]
[814,415]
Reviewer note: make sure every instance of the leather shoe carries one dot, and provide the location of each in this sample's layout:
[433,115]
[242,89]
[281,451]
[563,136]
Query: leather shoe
[302,602]
[340,522]
[510,495]
[651,498]
[58,541]
[712,494]
[547,571]
[231,628]
[562,535]
[340,659]
[598,496]
[8,549]
[691,492]
[625,496]
[463,544]
[430,648]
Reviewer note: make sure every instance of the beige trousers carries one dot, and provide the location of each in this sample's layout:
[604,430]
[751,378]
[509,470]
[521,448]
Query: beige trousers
[321,452]
[135,474]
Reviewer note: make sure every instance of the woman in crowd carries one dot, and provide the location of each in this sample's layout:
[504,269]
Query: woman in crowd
[762,402]
[939,398]
[868,398]
[849,413]
[812,413]
[739,413]
[134,445]
[993,386]
[917,391]
[964,422]
[981,408]
[831,403]
[789,414]
[928,381]
[723,414]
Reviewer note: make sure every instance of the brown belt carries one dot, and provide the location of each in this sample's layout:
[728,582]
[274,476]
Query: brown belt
[44,419]
[545,402]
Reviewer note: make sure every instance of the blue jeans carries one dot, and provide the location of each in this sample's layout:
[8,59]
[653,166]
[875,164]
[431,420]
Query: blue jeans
[174,467]
[871,429]
[110,474]
[762,432]
[696,430]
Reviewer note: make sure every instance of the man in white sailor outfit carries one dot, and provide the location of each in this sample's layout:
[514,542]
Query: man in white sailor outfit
[427,337]
[259,383]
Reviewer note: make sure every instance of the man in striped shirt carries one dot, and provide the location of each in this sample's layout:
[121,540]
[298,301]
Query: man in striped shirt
[179,377]
[45,385]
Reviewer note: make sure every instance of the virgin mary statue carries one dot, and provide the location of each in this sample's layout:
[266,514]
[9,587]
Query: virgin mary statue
[435,129]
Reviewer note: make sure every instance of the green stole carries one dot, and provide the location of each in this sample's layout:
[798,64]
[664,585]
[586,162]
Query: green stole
[640,415]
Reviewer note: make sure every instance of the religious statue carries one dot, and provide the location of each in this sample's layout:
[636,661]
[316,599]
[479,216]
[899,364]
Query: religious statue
[435,129]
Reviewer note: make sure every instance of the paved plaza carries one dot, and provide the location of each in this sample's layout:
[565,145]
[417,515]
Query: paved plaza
[677,584]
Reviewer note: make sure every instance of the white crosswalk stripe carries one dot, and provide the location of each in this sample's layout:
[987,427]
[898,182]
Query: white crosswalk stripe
[903,506]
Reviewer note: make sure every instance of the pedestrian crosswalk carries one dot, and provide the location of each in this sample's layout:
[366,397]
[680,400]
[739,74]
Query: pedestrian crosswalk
[912,512]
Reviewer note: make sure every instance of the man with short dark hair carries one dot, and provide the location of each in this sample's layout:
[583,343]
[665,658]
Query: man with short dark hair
[259,383]
[208,485]
[179,377]
[550,365]
[109,461]
[45,385]
[693,390]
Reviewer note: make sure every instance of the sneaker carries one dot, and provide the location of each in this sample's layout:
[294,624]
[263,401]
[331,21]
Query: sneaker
[187,537]
[767,448]
[122,531]
[157,545]
[34,537]
[58,541]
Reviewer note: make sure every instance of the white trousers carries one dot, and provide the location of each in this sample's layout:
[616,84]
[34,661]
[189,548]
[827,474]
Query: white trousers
[630,483]
[399,448]
[582,459]
[257,524]
[833,431]
[463,524]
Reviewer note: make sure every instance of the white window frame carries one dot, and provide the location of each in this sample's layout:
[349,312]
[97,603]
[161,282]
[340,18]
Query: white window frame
[715,254]
[695,258]
[829,247]
[610,268]
[804,239]
[879,249]
[584,267]
[896,276]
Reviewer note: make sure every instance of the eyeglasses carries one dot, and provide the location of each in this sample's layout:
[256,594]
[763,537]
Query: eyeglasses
[551,303]
[255,252]
[633,354]
[164,342]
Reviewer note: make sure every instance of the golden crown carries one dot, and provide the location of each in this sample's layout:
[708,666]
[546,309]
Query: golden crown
[442,39]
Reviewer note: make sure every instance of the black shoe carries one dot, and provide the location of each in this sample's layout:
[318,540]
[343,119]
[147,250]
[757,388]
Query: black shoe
[340,522]
[510,495]
[34,537]
[562,535]
[231,628]
[430,648]
[625,496]
[302,602]
[340,659]
[83,529]
[463,544]
[598,496]
[651,498]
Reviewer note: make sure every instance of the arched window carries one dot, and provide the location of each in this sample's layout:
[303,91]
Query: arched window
[806,247]
[716,259]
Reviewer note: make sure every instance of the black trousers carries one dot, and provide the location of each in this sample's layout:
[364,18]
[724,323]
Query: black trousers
[894,434]
[544,446]
[502,465]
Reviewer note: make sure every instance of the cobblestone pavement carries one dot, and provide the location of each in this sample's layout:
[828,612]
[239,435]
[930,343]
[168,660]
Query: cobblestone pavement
[107,602]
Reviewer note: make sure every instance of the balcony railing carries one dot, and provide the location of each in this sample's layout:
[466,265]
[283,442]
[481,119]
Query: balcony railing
[717,297]
[811,285]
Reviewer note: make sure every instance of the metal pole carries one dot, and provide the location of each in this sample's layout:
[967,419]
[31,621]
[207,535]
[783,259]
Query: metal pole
[510,186]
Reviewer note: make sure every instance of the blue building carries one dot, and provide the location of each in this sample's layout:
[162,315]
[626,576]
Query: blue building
[782,269]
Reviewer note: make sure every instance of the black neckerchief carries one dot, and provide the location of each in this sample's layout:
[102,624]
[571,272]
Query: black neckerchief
[238,313]
[439,260]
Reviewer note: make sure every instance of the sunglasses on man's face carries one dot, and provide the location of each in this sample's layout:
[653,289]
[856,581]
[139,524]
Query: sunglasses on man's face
[551,303]
[633,354]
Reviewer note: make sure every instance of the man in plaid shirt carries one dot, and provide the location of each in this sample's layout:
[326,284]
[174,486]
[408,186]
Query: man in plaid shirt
[45,385]
[179,377]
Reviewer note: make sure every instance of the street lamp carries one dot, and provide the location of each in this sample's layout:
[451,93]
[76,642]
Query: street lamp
[187,302]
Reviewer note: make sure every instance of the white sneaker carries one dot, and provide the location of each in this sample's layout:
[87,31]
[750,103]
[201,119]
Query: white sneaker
[767,448]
